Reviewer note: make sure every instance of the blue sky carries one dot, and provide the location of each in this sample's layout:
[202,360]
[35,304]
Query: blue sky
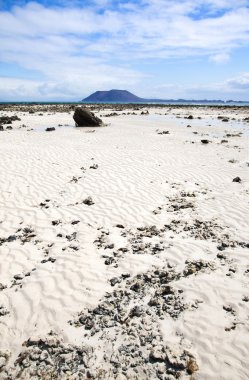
[65,50]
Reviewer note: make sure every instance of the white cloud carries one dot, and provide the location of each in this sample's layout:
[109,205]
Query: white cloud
[229,88]
[165,23]
[11,88]
[240,82]
[220,58]
[77,49]
[66,85]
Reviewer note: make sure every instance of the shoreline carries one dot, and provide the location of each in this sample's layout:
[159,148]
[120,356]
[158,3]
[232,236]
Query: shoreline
[67,107]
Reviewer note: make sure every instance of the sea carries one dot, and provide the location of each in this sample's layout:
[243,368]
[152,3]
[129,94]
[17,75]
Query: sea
[171,103]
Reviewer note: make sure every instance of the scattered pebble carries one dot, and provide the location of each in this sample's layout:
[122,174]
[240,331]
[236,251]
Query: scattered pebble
[237,179]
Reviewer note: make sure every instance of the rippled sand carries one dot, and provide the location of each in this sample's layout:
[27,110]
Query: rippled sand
[59,253]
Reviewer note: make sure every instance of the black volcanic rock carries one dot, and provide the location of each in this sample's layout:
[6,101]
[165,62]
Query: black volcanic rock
[237,179]
[85,118]
[113,96]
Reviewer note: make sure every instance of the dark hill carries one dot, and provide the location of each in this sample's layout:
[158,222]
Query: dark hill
[113,96]
[123,96]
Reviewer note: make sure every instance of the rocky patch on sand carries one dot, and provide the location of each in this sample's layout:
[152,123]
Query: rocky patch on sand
[162,132]
[206,230]
[180,201]
[146,240]
[126,324]
[8,119]
[24,235]
[50,358]
[3,311]
[152,240]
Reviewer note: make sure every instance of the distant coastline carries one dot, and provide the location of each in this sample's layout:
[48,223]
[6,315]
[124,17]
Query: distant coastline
[124,97]
[178,102]
[156,103]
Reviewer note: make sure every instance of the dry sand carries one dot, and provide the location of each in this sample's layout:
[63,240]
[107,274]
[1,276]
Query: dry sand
[124,250]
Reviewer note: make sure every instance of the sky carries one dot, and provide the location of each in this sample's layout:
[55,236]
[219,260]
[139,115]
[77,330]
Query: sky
[65,50]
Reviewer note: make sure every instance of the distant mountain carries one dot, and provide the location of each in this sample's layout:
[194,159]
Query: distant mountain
[123,96]
[113,96]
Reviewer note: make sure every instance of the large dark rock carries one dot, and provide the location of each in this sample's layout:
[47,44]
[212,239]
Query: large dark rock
[85,118]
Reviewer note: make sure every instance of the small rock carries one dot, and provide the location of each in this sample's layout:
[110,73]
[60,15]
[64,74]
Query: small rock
[237,179]
[71,237]
[115,280]
[109,246]
[109,261]
[221,256]
[2,287]
[75,222]
[3,311]
[222,247]
[50,129]
[87,322]
[2,362]
[119,226]
[18,276]
[95,166]
[228,309]
[11,238]
[56,222]
[88,201]
[137,311]
[157,354]
[192,366]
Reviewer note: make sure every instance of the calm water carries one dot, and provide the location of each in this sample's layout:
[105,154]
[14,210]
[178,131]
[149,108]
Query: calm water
[184,103]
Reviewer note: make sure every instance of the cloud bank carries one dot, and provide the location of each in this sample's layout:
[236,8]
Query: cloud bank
[73,50]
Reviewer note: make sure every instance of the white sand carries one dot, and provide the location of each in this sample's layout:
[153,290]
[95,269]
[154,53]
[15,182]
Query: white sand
[138,171]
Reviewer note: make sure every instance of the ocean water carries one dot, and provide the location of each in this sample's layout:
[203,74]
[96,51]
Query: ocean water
[177,103]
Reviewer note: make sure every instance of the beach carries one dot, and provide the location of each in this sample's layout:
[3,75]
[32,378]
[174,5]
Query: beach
[124,248]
